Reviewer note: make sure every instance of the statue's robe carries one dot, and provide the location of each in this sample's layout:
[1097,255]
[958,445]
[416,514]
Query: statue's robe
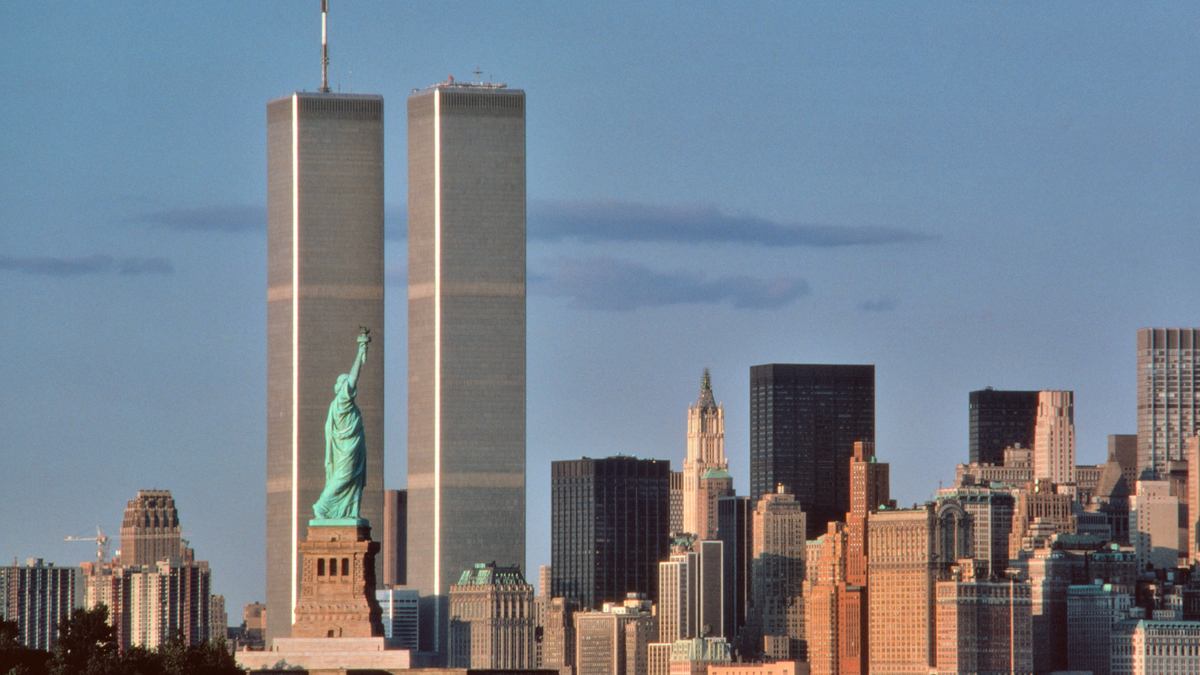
[345,456]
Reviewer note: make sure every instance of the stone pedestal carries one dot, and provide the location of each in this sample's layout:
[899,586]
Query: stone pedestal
[337,587]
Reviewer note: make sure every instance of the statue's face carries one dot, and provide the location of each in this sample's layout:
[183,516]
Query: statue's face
[341,383]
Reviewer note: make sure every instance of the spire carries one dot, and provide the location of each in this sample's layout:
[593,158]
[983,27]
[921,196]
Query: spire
[706,396]
[324,48]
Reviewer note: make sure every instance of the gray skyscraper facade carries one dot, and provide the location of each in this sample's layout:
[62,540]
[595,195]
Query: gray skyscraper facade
[1168,397]
[325,279]
[804,421]
[466,338]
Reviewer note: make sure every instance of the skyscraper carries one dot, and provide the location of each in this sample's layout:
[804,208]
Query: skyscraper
[1054,437]
[1000,419]
[38,596]
[608,528]
[492,620]
[735,529]
[778,575]
[394,538]
[1168,373]
[804,420]
[325,279]
[705,453]
[908,550]
[466,335]
[150,529]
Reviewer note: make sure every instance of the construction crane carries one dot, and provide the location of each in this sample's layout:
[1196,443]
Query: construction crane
[101,544]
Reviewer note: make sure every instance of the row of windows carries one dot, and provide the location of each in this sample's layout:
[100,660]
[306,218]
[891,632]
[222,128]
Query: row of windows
[333,567]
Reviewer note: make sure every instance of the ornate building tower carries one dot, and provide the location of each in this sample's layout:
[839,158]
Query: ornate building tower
[150,530]
[705,454]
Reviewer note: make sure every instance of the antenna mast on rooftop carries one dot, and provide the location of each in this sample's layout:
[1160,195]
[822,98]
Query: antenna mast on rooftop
[324,48]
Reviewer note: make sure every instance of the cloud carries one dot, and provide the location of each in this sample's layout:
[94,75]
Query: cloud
[131,266]
[88,265]
[884,304]
[623,221]
[617,285]
[239,218]
[251,218]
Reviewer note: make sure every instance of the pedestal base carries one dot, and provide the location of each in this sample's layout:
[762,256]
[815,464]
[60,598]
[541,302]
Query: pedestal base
[318,653]
[337,586]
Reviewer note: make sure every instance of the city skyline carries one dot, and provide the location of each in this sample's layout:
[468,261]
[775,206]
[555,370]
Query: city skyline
[918,188]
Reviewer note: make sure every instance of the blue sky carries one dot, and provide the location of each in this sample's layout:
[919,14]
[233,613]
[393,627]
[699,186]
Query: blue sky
[963,194]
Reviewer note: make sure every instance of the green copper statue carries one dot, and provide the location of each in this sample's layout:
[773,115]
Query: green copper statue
[345,446]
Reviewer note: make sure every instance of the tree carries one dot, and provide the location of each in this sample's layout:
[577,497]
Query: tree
[86,645]
[16,658]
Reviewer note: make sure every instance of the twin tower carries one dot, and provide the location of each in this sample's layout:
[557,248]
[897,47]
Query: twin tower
[466,325]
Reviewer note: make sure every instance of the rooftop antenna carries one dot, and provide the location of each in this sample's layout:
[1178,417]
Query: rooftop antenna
[324,47]
[478,73]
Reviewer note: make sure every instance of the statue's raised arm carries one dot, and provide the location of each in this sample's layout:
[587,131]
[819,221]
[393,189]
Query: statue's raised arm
[345,446]
[363,338]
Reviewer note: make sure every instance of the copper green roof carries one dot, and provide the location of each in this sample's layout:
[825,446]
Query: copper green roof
[716,473]
[490,574]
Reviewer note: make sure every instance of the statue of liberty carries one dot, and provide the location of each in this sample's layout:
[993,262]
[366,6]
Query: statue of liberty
[345,446]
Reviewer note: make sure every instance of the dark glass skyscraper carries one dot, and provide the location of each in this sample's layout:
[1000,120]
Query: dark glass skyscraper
[735,528]
[610,527]
[804,420]
[1000,419]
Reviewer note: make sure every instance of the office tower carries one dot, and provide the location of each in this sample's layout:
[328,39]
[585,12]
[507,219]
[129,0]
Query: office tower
[39,596]
[1168,372]
[491,619]
[399,616]
[705,454]
[780,668]
[1192,524]
[1154,524]
[324,280]
[395,538]
[984,627]
[992,514]
[255,619]
[1123,449]
[804,420]
[998,420]
[558,636]
[149,604]
[908,551]
[609,528]
[778,575]
[1054,437]
[691,593]
[150,530]
[616,639]
[825,578]
[695,655]
[1092,610]
[735,529]
[1148,647]
[870,490]
[168,598]
[677,502]
[218,618]
[1040,513]
[466,335]
[1110,501]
